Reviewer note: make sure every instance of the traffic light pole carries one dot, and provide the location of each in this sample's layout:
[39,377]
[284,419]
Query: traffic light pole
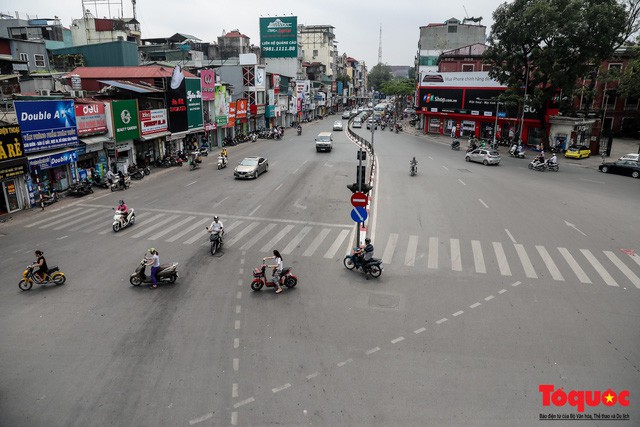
[359,182]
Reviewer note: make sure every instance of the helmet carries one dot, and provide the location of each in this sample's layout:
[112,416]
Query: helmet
[151,250]
[367,240]
[215,218]
[121,202]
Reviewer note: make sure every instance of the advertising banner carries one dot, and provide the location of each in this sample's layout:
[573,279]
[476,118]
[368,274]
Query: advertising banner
[436,100]
[91,118]
[275,83]
[208,82]
[279,37]
[12,159]
[54,160]
[221,106]
[241,109]
[458,79]
[177,102]
[46,124]
[125,119]
[194,103]
[232,114]
[153,121]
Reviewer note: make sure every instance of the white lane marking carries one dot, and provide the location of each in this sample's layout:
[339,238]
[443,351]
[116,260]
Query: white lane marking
[67,218]
[444,319]
[244,402]
[387,255]
[431,157]
[456,261]
[242,233]
[240,280]
[257,237]
[502,259]
[279,389]
[236,364]
[371,351]
[316,242]
[462,182]
[599,268]
[397,340]
[577,270]
[502,291]
[219,202]
[154,226]
[483,203]
[298,205]
[489,298]
[551,265]
[625,270]
[254,211]
[311,376]
[238,309]
[236,342]
[234,390]
[296,240]
[234,418]
[278,187]
[92,223]
[237,325]
[295,171]
[271,244]
[567,223]
[341,364]
[475,305]
[201,419]
[516,284]
[590,180]
[60,238]
[138,225]
[239,295]
[65,214]
[432,261]
[510,236]
[191,183]
[199,223]
[171,228]
[636,258]
[478,258]
[445,168]
[526,262]
[336,244]
[84,218]
[412,247]
[458,313]
[374,218]
[419,331]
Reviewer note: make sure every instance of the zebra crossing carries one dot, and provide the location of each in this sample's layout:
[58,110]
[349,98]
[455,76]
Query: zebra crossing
[432,253]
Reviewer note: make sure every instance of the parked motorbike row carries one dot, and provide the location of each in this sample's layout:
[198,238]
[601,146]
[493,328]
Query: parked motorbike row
[541,166]
[138,173]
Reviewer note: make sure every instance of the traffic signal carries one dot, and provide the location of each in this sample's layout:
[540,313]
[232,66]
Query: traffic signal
[361,172]
[362,155]
[365,188]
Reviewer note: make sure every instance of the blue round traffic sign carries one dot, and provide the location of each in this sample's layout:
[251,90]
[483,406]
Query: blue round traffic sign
[359,214]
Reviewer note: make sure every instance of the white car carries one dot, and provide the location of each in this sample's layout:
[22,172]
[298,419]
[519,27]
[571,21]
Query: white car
[409,110]
[337,125]
[631,156]
[346,114]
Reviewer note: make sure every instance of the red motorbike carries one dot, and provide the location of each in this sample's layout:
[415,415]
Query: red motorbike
[260,278]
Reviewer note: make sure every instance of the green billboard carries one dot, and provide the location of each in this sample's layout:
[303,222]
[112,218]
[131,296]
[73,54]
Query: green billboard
[125,119]
[279,37]
[194,103]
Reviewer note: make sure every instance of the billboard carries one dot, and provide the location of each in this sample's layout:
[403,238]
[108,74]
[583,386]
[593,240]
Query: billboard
[279,37]
[12,159]
[232,114]
[221,106]
[458,79]
[208,83]
[91,118]
[46,124]
[177,102]
[194,103]
[241,109]
[153,121]
[437,100]
[125,119]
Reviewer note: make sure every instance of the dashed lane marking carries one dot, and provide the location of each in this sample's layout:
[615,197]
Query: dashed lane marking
[201,419]
[475,305]
[244,402]
[371,351]
[397,340]
[458,313]
[419,331]
[341,364]
[279,389]
[311,376]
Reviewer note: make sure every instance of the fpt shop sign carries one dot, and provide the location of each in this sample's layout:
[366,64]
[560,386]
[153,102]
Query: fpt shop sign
[56,160]
[46,124]
[125,119]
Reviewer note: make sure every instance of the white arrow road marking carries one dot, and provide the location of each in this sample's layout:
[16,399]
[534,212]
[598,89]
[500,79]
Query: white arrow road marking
[298,205]
[574,227]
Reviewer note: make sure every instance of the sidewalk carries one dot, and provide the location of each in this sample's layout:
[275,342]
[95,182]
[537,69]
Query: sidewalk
[619,147]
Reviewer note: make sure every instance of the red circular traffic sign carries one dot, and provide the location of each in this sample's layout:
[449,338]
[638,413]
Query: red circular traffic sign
[359,199]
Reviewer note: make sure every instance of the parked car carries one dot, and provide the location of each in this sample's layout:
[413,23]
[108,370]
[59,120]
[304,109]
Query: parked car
[578,152]
[631,156]
[484,156]
[346,114]
[251,167]
[337,125]
[622,167]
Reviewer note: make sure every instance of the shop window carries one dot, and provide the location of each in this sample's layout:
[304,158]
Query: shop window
[315,53]
[39,59]
[467,68]
[631,103]
[24,57]
[452,29]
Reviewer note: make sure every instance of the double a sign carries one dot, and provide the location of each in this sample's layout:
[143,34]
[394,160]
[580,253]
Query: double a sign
[55,160]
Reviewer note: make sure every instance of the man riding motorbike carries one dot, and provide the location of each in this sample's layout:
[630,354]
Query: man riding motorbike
[299,130]
[216,227]
[364,253]
[122,207]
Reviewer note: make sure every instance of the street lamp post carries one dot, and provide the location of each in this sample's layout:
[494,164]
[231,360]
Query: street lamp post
[524,101]
[495,125]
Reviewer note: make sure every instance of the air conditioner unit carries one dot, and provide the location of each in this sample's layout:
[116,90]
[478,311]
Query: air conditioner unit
[44,92]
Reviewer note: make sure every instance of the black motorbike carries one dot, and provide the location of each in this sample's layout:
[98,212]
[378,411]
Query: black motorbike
[166,273]
[81,188]
[135,172]
[50,198]
[373,267]
[99,182]
[455,145]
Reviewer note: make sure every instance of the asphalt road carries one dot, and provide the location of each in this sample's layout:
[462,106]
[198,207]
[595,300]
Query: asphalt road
[486,293]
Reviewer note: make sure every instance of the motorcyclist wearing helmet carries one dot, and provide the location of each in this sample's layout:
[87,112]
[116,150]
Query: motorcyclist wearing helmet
[365,253]
[154,262]
[122,207]
[216,227]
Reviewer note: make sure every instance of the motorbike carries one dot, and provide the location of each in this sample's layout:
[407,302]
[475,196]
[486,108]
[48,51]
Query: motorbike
[193,164]
[117,184]
[260,278]
[81,189]
[455,145]
[99,182]
[414,169]
[555,167]
[50,198]
[514,152]
[222,162]
[216,242]
[538,165]
[175,161]
[398,127]
[166,273]
[373,267]
[120,221]
[135,173]
[29,277]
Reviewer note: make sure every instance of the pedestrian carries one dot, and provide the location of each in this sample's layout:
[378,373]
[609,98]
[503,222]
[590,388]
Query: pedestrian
[277,269]
[453,131]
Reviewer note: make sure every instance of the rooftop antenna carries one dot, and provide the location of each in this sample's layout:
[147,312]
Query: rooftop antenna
[380,47]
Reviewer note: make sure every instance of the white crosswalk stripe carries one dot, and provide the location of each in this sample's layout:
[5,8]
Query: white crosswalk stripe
[412,248]
[548,261]
[456,261]
[432,261]
[336,244]
[622,267]
[503,264]
[82,225]
[42,221]
[526,262]
[579,272]
[478,258]
[599,268]
[255,239]
[387,255]
[202,222]
[66,218]
[296,240]
[272,243]
[636,258]
[154,226]
[169,229]
[86,217]
[317,242]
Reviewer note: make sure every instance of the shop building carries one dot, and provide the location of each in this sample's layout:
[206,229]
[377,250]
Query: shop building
[14,168]
[92,128]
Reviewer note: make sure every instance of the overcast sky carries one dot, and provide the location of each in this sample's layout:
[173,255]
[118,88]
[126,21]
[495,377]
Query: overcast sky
[357,23]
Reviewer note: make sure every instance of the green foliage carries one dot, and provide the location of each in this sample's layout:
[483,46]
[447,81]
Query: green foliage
[411,73]
[344,78]
[378,75]
[629,86]
[401,87]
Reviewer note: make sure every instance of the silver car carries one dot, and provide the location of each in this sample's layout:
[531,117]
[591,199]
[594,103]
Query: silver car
[337,125]
[484,156]
[251,167]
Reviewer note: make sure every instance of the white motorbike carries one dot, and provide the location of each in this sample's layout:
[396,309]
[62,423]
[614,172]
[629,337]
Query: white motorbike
[121,221]
[222,162]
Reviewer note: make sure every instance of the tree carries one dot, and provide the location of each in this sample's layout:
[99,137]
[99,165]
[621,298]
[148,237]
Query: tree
[398,87]
[344,78]
[555,42]
[378,75]
[412,73]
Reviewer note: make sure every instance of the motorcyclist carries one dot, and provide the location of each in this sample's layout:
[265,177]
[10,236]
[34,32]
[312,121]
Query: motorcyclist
[41,263]
[540,158]
[111,177]
[216,227]
[277,269]
[121,178]
[154,262]
[122,207]
[455,143]
[364,253]
[414,163]
[299,130]
[553,160]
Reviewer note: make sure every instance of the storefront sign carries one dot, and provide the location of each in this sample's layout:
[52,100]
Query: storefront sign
[46,124]
[279,37]
[11,146]
[270,111]
[55,160]
[443,99]
[177,102]
[241,109]
[194,103]
[153,121]
[125,119]
[91,118]
[221,105]
[275,83]
[208,83]
[459,80]
[15,167]
[232,114]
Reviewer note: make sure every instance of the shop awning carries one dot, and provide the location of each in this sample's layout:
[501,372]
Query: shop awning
[94,143]
[42,154]
[153,136]
[133,87]
[178,135]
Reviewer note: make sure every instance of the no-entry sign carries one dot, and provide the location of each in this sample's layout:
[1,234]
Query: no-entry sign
[359,199]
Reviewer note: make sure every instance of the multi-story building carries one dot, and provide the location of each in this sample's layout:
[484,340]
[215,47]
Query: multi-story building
[90,30]
[319,45]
